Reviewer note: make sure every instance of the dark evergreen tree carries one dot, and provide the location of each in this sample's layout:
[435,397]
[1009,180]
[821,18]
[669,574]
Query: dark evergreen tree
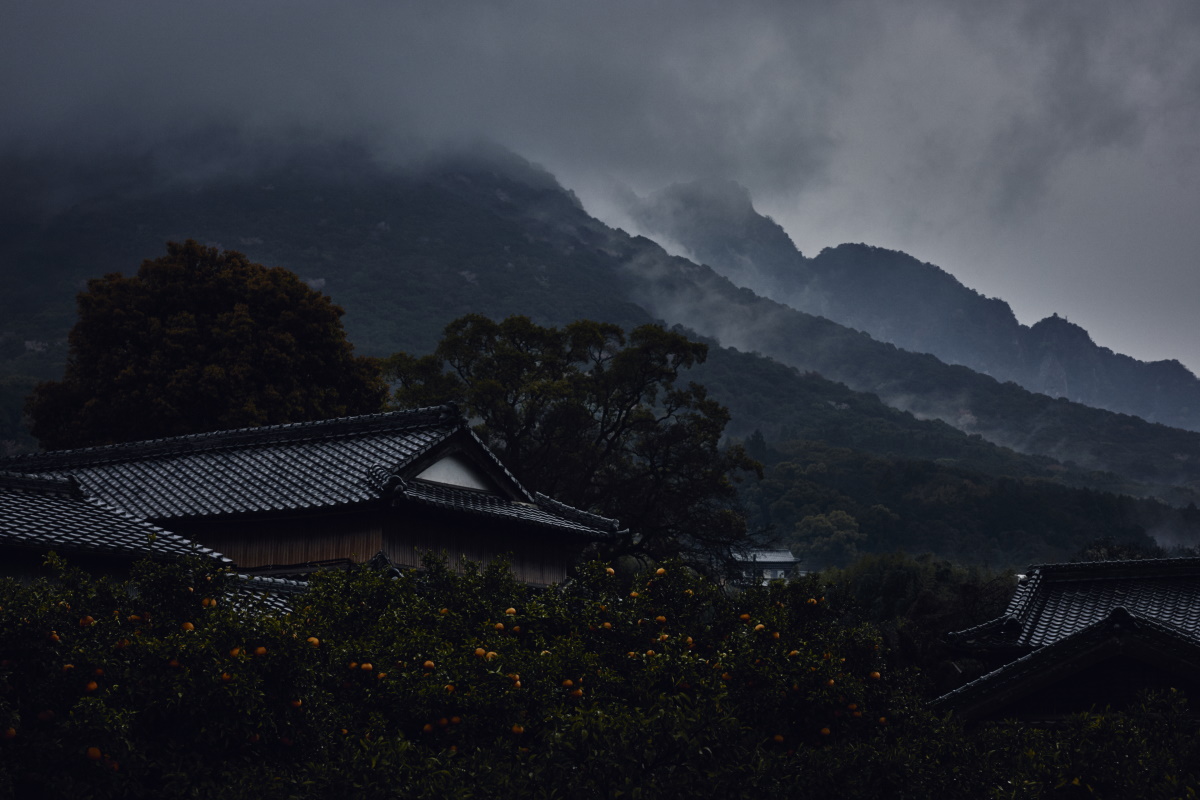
[201,340]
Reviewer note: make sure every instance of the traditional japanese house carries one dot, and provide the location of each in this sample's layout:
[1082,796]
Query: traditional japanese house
[1082,636]
[287,498]
[760,567]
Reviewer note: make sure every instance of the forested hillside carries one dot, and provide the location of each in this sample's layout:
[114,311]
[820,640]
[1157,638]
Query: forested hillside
[406,249]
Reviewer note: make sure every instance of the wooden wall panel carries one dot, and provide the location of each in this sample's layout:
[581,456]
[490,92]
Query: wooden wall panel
[257,542]
[537,557]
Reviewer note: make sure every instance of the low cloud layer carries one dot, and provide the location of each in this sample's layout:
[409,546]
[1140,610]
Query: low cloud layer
[1042,152]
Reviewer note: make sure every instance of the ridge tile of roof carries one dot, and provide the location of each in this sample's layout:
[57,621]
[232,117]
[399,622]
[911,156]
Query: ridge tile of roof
[552,515]
[446,416]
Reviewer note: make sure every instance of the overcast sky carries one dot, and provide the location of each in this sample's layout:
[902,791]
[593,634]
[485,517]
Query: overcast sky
[1046,153]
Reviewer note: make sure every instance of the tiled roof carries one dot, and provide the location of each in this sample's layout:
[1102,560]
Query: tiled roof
[1057,600]
[54,514]
[1118,631]
[306,465]
[274,468]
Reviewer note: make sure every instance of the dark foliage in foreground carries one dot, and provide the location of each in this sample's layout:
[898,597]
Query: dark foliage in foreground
[432,684]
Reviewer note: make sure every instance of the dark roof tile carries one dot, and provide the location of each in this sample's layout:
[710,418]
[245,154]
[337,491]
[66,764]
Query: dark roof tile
[307,465]
[54,514]
[1057,600]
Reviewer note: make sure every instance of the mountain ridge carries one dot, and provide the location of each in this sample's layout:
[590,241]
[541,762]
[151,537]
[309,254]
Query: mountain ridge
[915,305]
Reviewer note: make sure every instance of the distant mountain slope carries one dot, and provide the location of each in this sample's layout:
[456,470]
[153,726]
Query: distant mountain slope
[407,250]
[896,298]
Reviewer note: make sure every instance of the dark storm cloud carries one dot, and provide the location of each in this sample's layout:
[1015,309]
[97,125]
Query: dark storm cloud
[664,89]
[1033,149]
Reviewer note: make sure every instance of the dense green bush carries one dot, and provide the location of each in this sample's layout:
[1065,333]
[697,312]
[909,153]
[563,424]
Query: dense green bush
[434,684]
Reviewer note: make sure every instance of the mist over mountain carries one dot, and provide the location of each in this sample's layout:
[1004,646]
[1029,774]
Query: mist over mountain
[914,305]
[407,247]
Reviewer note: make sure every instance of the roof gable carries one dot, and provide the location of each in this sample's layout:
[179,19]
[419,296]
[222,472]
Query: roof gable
[458,471]
[1119,635]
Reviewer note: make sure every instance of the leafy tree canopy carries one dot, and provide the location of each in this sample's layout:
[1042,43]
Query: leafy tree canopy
[592,417]
[201,340]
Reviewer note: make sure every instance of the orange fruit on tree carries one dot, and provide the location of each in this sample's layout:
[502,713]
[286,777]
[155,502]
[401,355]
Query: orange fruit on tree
[499,626]
[518,729]
[260,651]
[825,731]
[314,641]
[91,686]
[609,571]
[660,571]
[187,626]
[479,651]
[874,676]
[10,733]
[428,665]
[94,753]
[510,611]
[366,666]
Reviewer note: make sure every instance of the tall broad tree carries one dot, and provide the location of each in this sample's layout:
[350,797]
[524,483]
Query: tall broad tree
[593,417]
[201,340]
